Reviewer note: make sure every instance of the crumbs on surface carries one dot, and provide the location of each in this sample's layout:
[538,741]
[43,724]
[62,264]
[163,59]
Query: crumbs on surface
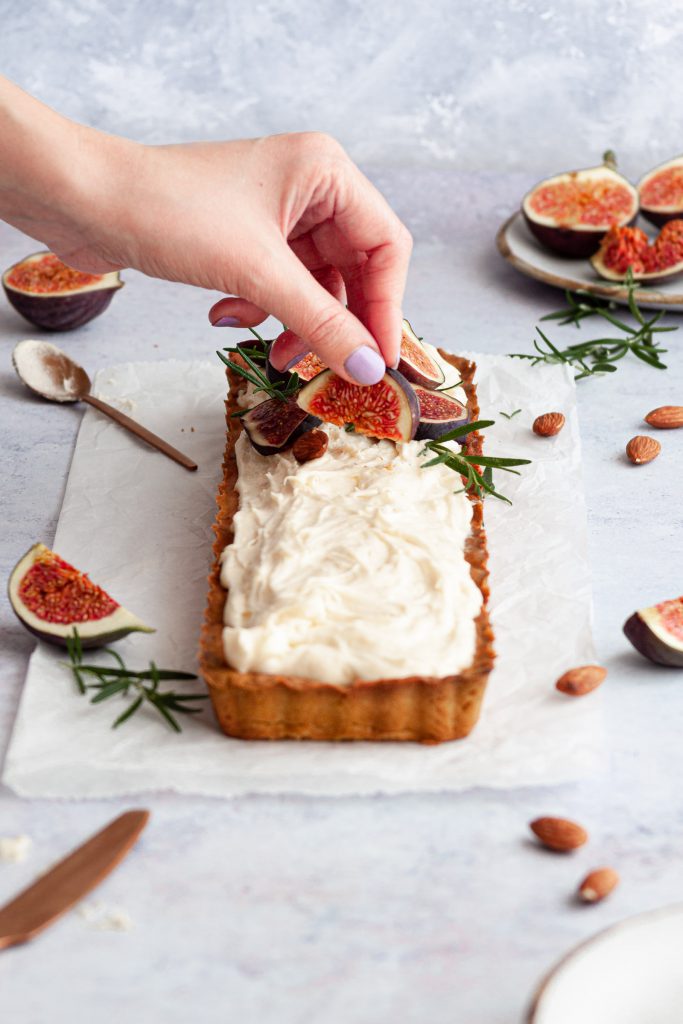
[14,849]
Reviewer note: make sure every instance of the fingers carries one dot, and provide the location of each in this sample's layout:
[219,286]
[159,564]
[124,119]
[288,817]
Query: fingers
[235,312]
[320,320]
[369,226]
[287,349]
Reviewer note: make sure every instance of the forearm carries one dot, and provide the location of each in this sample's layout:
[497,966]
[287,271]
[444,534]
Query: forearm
[55,175]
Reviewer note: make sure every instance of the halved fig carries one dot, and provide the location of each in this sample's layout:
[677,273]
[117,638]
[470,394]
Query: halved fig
[415,363]
[661,192]
[307,368]
[657,632]
[571,212]
[388,409]
[52,598]
[274,425]
[624,248]
[439,412]
[49,294]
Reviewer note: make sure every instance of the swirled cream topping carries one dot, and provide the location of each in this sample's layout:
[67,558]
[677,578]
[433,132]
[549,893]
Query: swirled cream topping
[350,566]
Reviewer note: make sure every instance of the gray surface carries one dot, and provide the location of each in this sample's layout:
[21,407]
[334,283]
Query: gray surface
[497,83]
[368,911]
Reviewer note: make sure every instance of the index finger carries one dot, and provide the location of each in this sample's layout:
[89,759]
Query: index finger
[366,220]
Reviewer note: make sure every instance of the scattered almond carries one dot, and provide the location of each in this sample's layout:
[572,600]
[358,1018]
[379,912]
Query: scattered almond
[310,445]
[549,424]
[578,681]
[666,417]
[642,448]
[598,884]
[559,833]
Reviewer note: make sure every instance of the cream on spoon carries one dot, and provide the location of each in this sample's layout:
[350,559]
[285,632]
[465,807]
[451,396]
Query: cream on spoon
[50,373]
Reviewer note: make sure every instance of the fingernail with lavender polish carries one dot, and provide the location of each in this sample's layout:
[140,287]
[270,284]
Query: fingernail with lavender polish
[365,365]
[227,321]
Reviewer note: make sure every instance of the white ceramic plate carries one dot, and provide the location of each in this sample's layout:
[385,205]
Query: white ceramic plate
[519,247]
[631,973]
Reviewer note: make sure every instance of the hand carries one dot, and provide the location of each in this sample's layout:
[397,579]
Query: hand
[288,223]
[334,224]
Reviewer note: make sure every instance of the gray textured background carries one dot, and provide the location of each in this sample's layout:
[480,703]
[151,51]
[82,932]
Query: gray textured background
[377,911]
[523,84]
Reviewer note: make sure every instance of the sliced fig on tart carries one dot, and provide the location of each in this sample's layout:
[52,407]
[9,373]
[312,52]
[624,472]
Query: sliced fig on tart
[52,599]
[628,248]
[657,632]
[388,409]
[49,294]
[308,366]
[274,425]
[415,363]
[439,413]
[661,192]
[570,213]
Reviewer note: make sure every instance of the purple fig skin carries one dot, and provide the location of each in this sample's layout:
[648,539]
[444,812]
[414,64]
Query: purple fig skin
[649,645]
[61,312]
[87,643]
[566,241]
[415,376]
[411,398]
[431,429]
[283,434]
[658,218]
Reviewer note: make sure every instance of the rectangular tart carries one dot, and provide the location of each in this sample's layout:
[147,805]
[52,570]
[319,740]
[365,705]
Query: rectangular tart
[268,706]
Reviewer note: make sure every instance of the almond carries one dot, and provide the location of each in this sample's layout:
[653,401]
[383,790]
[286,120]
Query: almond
[598,884]
[578,681]
[642,448]
[559,833]
[549,424]
[666,417]
[310,445]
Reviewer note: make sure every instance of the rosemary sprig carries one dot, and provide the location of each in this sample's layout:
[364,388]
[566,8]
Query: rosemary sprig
[599,355]
[256,375]
[143,686]
[510,415]
[468,466]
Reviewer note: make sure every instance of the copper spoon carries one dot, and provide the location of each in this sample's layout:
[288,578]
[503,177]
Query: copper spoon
[49,372]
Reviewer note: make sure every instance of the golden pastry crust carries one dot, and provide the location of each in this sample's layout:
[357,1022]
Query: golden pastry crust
[427,709]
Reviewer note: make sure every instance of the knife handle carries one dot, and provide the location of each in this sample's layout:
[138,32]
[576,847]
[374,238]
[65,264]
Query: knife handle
[70,880]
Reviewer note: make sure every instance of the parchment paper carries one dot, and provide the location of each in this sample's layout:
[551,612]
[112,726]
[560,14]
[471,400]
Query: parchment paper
[141,526]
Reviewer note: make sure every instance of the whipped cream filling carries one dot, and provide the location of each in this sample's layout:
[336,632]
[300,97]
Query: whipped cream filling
[350,566]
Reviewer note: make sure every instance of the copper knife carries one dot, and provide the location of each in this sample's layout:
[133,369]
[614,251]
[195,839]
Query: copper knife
[70,880]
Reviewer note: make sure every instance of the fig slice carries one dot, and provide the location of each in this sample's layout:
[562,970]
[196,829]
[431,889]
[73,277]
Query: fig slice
[657,632]
[307,368]
[388,409]
[439,412]
[415,363]
[49,294]
[51,598]
[661,192]
[274,425]
[624,248]
[570,213]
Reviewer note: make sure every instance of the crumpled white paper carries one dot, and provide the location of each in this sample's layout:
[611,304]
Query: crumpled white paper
[141,526]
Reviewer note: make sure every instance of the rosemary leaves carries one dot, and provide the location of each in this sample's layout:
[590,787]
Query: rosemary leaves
[469,466]
[599,355]
[142,686]
[255,357]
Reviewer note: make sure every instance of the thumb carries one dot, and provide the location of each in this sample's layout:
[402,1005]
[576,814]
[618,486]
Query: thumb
[324,325]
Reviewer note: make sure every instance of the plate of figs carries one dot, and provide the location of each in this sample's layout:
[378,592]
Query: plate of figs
[592,230]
